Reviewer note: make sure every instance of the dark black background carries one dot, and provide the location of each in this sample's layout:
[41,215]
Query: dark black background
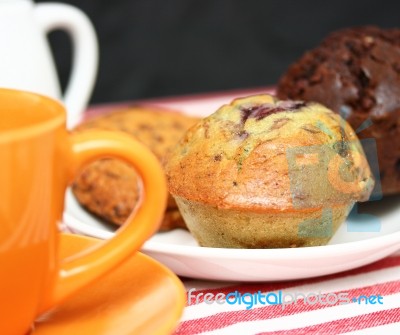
[152,48]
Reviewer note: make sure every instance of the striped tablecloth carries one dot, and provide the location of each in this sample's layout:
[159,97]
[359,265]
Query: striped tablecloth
[380,279]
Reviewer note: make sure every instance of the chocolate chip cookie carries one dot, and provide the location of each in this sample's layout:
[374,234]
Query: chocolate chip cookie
[109,187]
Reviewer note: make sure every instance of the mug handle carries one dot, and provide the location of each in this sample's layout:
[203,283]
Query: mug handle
[85,53]
[83,268]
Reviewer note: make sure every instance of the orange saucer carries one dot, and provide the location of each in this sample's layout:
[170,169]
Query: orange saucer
[139,297]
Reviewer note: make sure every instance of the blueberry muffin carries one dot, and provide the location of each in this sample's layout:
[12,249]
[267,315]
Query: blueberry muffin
[356,73]
[264,173]
[109,187]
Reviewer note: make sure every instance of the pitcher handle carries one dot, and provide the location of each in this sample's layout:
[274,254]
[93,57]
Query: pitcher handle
[80,85]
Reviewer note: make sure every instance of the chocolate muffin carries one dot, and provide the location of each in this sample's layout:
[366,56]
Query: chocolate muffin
[356,73]
[263,173]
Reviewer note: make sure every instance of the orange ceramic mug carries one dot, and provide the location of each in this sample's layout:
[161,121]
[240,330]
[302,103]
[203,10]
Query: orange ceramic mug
[38,159]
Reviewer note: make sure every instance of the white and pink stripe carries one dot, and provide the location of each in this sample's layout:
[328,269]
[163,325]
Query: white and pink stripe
[382,278]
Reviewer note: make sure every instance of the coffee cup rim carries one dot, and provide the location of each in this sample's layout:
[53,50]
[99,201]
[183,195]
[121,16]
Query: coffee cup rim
[53,115]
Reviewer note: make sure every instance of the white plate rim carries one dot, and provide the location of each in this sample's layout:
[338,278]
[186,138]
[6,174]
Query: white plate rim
[243,254]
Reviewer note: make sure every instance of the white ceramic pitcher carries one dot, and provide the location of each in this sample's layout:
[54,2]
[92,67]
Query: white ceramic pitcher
[25,58]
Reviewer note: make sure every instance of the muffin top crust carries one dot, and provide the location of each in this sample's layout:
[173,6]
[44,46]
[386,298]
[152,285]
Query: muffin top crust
[354,72]
[262,154]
